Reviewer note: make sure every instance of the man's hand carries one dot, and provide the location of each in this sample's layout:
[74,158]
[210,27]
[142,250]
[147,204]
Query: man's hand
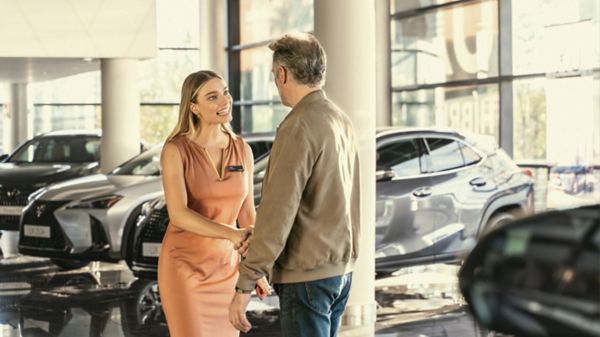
[263,289]
[239,236]
[243,250]
[237,312]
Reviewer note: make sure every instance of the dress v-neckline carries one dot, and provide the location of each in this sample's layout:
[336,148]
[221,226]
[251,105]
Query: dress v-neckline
[220,174]
[212,162]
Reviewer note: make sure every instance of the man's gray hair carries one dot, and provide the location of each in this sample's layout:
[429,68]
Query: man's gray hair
[302,55]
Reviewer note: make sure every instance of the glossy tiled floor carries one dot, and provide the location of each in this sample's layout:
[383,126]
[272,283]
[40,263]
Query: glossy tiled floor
[37,299]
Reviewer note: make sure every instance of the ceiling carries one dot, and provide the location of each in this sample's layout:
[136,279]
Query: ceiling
[26,70]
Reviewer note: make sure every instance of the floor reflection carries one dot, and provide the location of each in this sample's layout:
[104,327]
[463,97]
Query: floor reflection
[36,299]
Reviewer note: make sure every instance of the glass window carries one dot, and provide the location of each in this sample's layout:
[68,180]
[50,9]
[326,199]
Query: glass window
[161,77]
[529,119]
[177,24]
[256,79]
[543,35]
[48,118]
[556,119]
[469,155]
[449,44]
[471,108]
[59,150]
[401,156]
[144,164]
[445,154]
[266,19]
[157,122]
[262,118]
[81,88]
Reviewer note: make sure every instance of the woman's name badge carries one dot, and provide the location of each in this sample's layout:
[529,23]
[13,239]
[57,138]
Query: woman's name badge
[235,168]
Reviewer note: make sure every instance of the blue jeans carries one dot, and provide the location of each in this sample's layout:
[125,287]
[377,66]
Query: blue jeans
[314,308]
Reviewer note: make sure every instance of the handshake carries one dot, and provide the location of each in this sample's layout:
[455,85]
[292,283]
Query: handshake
[241,240]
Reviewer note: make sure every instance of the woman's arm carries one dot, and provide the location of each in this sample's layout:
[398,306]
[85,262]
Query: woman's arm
[176,197]
[247,215]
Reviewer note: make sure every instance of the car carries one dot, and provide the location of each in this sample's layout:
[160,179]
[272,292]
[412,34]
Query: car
[44,159]
[437,191]
[538,276]
[92,218]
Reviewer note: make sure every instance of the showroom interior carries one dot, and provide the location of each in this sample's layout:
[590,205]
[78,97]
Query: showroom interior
[513,84]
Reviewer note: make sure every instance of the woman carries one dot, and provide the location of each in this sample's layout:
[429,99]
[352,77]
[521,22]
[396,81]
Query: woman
[207,179]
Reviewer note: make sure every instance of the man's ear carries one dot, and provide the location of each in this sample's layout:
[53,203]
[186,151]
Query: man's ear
[282,74]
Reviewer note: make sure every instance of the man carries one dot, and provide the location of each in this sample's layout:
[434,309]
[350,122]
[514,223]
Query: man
[307,228]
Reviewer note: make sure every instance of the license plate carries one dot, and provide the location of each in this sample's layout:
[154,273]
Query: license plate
[36,231]
[151,249]
[11,210]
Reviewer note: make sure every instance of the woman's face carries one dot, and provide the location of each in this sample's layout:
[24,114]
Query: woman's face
[213,102]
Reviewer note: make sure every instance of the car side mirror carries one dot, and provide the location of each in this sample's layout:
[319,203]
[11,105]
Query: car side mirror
[384,175]
[538,276]
[3,157]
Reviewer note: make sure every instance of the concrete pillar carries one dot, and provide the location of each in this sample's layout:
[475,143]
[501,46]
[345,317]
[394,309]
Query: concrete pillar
[212,36]
[18,115]
[120,112]
[383,64]
[350,49]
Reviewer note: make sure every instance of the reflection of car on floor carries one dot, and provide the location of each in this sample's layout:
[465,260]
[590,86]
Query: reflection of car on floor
[436,192]
[79,305]
[538,276]
[44,159]
[92,218]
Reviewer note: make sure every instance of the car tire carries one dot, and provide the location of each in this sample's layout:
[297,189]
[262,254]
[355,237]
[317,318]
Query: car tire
[141,313]
[498,219]
[70,264]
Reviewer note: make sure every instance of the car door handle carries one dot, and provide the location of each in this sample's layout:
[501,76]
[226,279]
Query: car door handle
[478,182]
[422,192]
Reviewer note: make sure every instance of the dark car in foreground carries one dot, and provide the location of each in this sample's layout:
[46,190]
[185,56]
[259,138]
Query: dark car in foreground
[538,276]
[44,159]
[437,191]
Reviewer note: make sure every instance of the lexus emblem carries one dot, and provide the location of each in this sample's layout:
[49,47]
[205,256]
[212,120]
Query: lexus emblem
[12,193]
[39,210]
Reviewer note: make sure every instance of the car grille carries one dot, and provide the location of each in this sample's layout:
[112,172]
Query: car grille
[153,231]
[42,213]
[13,196]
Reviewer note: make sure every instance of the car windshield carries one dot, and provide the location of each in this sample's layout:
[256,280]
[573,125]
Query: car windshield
[72,149]
[144,164]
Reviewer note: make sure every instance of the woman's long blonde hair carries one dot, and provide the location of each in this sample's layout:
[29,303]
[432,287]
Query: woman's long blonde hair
[188,123]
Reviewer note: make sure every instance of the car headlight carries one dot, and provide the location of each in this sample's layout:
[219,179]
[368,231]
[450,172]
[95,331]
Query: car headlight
[103,202]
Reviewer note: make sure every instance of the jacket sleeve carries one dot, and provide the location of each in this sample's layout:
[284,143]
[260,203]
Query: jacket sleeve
[290,166]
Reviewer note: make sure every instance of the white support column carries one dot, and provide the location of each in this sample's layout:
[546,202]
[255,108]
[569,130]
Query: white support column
[120,112]
[18,115]
[350,49]
[383,63]
[212,36]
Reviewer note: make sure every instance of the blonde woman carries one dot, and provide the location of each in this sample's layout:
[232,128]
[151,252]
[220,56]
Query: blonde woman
[207,179]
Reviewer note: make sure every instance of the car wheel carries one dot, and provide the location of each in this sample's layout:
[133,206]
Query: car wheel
[142,312]
[498,219]
[70,264]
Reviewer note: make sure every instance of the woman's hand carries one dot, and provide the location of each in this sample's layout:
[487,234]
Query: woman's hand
[263,289]
[239,236]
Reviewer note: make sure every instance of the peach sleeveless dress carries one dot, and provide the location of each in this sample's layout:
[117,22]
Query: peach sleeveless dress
[197,274]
